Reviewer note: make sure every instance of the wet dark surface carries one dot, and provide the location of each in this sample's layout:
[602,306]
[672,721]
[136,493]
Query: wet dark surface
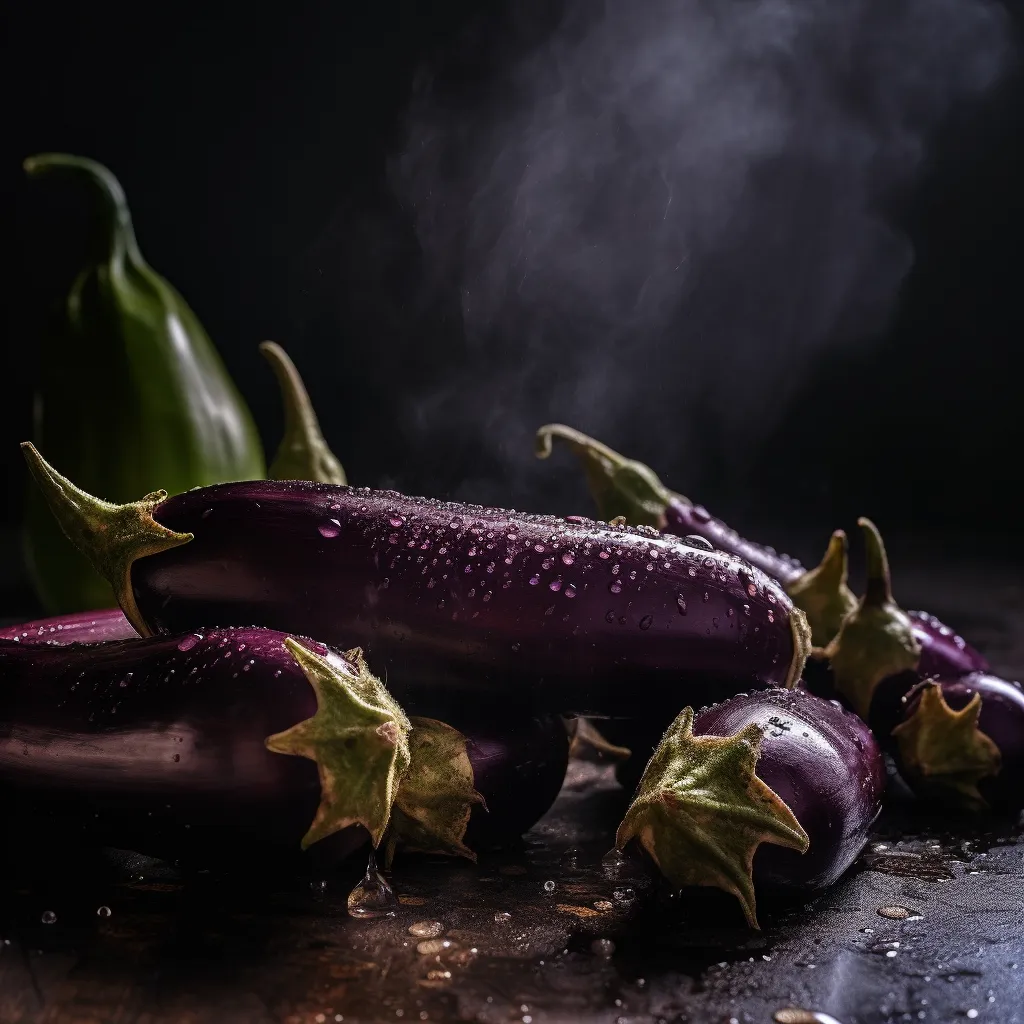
[603,943]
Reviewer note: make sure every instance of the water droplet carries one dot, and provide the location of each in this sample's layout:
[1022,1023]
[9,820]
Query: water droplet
[795,1015]
[746,610]
[189,642]
[752,589]
[426,929]
[616,569]
[516,648]
[681,604]
[539,548]
[330,529]
[692,571]
[431,947]
[103,911]
[502,917]
[547,563]
[647,621]
[707,597]
[549,886]
[899,914]
[396,521]
[534,580]
[771,617]
[604,554]
[568,558]
[609,616]
[615,587]
[555,585]
[624,895]
[730,612]
[49,917]
[372,897]
[176,757]
[603,948]
[604,905]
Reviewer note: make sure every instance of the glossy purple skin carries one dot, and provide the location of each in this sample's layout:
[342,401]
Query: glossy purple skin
[824,763]
[80,627]
[684,519]
[567,615]
[157,745]
[162,739]
[943,651]
[1001,719]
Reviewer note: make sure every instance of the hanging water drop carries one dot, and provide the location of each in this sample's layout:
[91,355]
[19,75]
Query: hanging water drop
[372,897]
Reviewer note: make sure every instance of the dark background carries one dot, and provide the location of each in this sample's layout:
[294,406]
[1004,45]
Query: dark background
[253,144]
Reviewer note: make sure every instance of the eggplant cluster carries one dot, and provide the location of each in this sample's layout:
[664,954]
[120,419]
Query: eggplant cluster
[234,703]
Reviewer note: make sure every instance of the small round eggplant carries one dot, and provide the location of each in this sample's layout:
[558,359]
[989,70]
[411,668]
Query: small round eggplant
[960,742]
[78,628]
[779,767]
[172,746]
[568,616]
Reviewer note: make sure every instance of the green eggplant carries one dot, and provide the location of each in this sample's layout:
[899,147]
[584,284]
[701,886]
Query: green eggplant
[130,392]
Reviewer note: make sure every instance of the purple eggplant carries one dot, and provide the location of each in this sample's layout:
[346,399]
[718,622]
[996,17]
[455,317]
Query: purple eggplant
[623,487]
[174,746]
[778,787]
[566,615]
[77,628]
[960,742]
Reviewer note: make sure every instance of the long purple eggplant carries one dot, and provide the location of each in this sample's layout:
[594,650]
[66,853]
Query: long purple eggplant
[567,615]
[778,787]
[77,628]
[960,742]
[173,746]
[624,487]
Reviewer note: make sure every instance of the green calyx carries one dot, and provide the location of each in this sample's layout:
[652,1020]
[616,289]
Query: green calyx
[876,639]
[359,739]
[701,812]
[621,487]
[436,795]
[822,592]
[802,646]
[943,753]
[112,537]
[303,453]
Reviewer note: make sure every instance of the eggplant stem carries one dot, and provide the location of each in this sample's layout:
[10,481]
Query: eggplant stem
[118,233]
[878,590]
[303,453]
[823,593]
[619,486]
[112,537]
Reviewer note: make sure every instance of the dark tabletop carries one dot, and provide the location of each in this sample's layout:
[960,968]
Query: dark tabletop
[604,943]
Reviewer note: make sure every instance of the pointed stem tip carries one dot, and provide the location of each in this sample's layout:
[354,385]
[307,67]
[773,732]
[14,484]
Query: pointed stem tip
[112,537]
[303,453]
[879,582]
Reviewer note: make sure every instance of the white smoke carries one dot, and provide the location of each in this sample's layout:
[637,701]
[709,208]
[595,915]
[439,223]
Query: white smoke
[661,212]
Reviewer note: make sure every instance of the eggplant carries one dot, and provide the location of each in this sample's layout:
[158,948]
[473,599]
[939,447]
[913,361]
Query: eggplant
[566,615]
[624,487]
[777,788]
[76,628]
[172,746]
[881,652]
[960,742]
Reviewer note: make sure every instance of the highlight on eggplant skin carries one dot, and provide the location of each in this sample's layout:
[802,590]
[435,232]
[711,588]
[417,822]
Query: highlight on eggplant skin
[567,615]
[160,745]
[76,628]
[813,763]
[960,743]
